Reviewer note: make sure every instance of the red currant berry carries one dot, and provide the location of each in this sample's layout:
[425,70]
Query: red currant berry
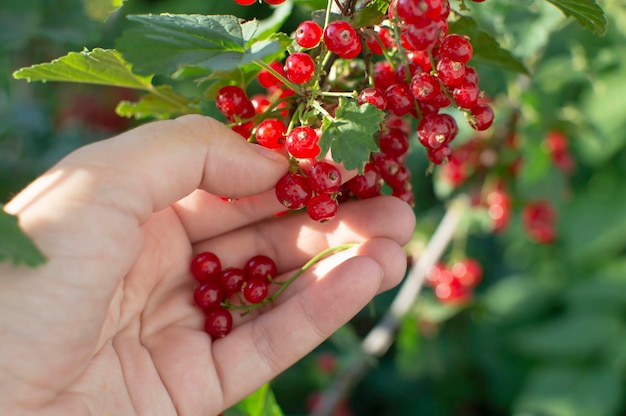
[256,290]
[231,280]
[384,76]
[367,185]
[450,72]
[468,271]
[393,142]
[260,266]
[268,80]
[456,48]
[399,99]
[205,266]
[271,133]
[208,295]
[436,130]
[302,142]
[245,2]
[322,208]
[341,38]
[439,274]
[422,35]
[378,39]
[466,95]
[293,191]
[539,220]
[374,96]
[231,100]
[308,34]
[299,67]
[452,293]
[480,117]
[439,155]
[218,322]
[425,87]
[275,2]
[324,178]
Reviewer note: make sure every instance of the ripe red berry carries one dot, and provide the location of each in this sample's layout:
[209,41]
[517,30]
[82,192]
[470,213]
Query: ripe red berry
[271,133]
[439,274]
[267,79]
[466,95]
[260,266]
[256,290]
[293,191]
[218,322]
[208,295]
[322,208]
[452,293]
[422,35]
[436,130]
[468,271]
[425,87]
[450,72]
[373,96]
[367,185]
[341,38]
[324,178]
[231,100]
[539,219]
[302,142]
[231,280]
[299,67]
[275,2]
[480,117]
[205,266]
[308,34]
[245,2]
[393,142]
[399,99]
[456,48]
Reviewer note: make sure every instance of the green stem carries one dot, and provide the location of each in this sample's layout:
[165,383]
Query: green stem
[284,285]
[322,110]
[284,80]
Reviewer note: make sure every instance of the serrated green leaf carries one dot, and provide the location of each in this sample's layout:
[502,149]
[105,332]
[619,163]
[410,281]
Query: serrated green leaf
[350,134]
[15,246]
[586,12]
[100,66]
[486,48]
[372,14]
[168,43]
[260,403]
[163,103]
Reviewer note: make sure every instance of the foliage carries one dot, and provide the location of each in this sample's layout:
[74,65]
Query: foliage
[544,333]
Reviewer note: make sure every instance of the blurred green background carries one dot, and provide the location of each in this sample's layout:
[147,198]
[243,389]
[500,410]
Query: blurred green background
[546,332]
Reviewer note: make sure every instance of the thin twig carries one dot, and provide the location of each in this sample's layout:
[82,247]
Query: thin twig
[381,337]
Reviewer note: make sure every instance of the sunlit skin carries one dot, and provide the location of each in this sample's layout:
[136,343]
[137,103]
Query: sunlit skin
[108,325]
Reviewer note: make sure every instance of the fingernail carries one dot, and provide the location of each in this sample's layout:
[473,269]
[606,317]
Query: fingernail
[269,153]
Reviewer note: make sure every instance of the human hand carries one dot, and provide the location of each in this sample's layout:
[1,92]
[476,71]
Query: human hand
[108,325]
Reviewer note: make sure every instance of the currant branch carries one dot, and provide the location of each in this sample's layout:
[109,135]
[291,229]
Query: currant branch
[381,337]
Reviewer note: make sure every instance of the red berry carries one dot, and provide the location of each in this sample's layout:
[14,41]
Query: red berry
[231,280]
[267,79]
[260,267]
[302,142]
[480,117]
[466,95]
[299,67]
[399,99]
[293,191]
[453,292]
[341,38]
[205,266]
[439,155]
[367,185]
[271,133]
[456,47]
[256,290]
[539,220]
[450,72]
[378,39]
[393,142]
[208,295]
[218,323]
[322,208]
[499,208]
[275,2]
[436,130]
[422,35]
[425,87]
[374,96]
[245,2]
[324,178]
[231,100]
[439,274]
[308,34]
[468,271]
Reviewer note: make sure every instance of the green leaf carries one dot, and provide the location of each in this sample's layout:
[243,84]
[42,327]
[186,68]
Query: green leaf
[486,48]
[15,245]
[372,14]
[571,391]
[260,403]
[350,134]
[164,103]
[100,66]
[167,43]
[586,12]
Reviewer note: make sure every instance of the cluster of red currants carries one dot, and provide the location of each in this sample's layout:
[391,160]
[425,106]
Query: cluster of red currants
[454,283]
[557,145]
[413,67]
[216,285]
[539,220]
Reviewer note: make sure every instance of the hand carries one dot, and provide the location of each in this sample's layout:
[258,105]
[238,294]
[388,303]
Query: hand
[108,325]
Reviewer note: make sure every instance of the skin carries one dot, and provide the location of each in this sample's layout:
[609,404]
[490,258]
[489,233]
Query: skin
[108,326]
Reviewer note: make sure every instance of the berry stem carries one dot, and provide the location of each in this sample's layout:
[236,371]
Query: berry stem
[284,80]
[247,308]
